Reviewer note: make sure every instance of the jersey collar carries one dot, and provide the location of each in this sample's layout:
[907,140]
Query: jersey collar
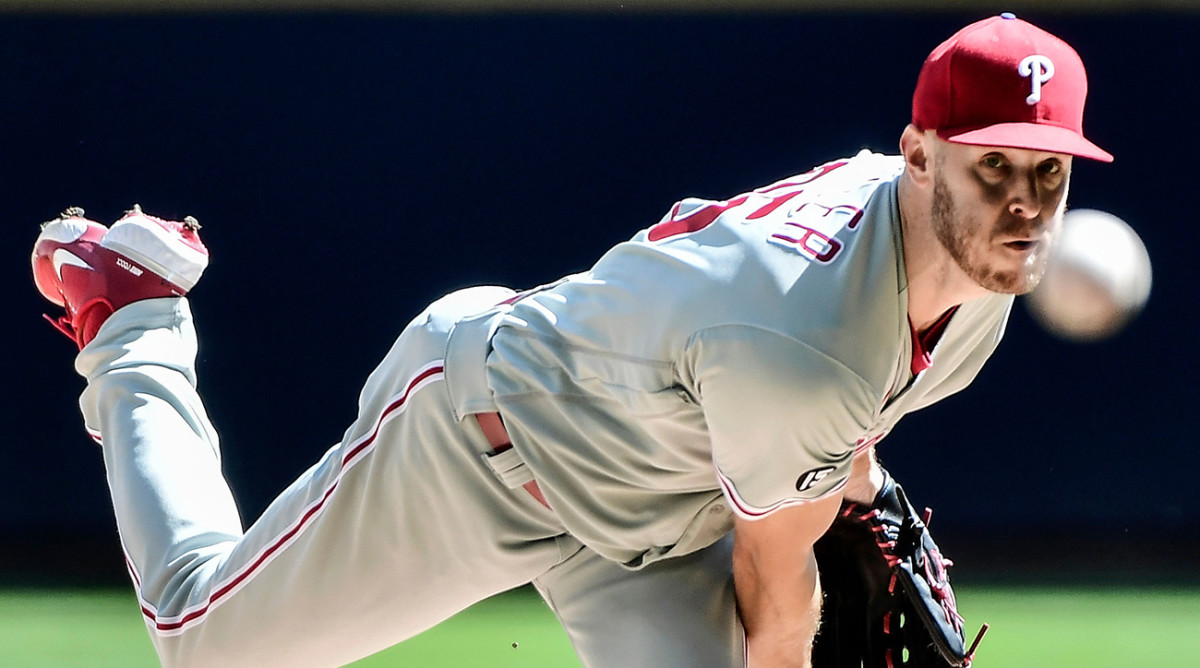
[923,344]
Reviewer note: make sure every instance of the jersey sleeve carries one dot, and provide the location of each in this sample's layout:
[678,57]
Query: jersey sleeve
[783,417]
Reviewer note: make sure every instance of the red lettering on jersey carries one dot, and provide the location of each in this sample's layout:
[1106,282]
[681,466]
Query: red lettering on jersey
[771,206]
[806,177]
[816,245]
[702,217]
[830,209]
[693,221]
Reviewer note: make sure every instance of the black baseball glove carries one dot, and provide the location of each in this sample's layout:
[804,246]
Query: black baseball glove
[888,601]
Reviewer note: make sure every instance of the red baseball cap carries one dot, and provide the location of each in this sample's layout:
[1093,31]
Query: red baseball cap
[1005,82]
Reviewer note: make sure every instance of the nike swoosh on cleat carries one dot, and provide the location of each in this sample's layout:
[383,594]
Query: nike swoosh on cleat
[63,257]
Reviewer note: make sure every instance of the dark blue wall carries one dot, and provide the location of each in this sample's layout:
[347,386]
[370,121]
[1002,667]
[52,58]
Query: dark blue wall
[349,169]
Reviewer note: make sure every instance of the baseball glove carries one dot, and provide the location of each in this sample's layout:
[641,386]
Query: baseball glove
[888,601]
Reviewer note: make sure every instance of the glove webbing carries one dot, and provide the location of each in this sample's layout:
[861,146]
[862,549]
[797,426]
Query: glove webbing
[935,566]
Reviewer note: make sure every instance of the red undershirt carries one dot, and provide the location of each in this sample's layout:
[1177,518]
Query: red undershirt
[922,344]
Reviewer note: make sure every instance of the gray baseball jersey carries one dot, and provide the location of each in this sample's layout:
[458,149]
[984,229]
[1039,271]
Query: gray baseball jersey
[746,346]
[730,359]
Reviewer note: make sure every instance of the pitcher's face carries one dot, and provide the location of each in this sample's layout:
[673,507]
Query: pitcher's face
[997,211]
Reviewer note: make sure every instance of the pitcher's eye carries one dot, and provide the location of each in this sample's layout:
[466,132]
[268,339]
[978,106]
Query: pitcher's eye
[1051,167]
[993,160]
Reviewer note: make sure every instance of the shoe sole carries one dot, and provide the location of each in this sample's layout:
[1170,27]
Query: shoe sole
[157,248]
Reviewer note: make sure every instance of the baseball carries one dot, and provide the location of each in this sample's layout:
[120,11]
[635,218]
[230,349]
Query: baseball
[1096,281]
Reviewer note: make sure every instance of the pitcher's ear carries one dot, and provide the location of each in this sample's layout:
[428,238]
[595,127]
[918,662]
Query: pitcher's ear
[916,148]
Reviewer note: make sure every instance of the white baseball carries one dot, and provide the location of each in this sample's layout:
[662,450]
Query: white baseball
[1097,279]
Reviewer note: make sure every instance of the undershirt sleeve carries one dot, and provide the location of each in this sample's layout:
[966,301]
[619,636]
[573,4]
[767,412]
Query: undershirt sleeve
[783,417]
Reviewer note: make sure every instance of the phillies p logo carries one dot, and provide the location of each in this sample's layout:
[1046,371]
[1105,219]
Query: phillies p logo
[1039,69]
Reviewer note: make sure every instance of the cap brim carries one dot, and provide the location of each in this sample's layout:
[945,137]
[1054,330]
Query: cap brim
[1032,136]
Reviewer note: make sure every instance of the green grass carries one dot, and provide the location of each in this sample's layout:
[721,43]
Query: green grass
[1030,627]
[1077,627]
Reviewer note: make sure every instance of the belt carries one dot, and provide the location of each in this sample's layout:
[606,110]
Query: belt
[497,436]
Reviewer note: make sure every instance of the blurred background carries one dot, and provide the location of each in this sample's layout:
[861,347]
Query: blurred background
[350,163]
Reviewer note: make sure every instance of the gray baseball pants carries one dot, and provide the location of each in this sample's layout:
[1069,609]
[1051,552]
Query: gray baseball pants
[395,529]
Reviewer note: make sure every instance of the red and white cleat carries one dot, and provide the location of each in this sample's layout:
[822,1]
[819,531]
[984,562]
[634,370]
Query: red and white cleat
[92,271]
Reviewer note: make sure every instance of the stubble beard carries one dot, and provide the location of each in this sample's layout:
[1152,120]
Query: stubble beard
[956,234]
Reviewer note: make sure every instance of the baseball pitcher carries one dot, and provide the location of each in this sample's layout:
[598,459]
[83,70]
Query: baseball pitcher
[660,444]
